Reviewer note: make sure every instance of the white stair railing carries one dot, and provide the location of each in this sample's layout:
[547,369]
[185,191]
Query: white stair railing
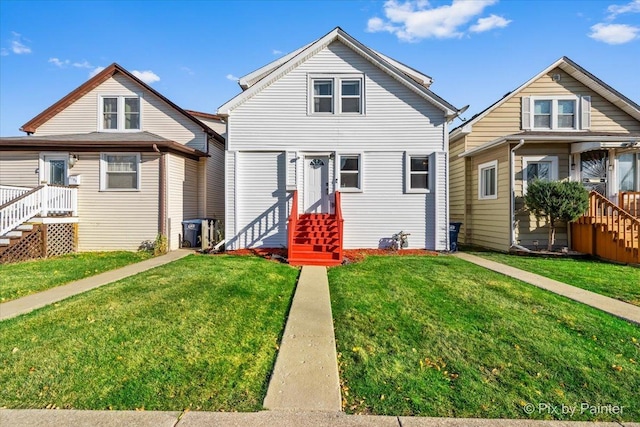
[8,193]
[43,200]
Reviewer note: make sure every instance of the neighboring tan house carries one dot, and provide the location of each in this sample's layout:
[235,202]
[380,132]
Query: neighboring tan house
[564,123]
[355,141]
[133,165]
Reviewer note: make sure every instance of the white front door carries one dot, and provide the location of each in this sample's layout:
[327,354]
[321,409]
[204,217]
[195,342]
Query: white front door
[55,169]
[316,184]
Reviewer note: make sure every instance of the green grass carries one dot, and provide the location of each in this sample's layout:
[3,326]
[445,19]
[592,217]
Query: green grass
[25,278]
[199,333]
[617,281]
[437,336]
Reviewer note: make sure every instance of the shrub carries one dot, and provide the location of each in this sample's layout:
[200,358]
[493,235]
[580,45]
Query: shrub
[556,201]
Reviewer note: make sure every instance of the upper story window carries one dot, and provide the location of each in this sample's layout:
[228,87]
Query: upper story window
[556,113]
[120,113]
[336,94]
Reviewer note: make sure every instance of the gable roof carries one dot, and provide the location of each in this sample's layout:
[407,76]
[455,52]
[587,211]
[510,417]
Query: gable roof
[32,125]
[575,71]
[257,80]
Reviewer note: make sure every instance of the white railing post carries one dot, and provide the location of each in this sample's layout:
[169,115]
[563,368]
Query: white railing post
[44,200]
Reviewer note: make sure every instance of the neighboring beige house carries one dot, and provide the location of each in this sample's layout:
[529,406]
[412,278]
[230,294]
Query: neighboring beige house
[564,123]
[136,164]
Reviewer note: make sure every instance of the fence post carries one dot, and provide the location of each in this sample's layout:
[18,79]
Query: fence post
[44,200]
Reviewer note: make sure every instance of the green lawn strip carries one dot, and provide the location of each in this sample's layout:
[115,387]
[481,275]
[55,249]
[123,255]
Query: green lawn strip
[617,281]
[199,333]
[24,278]
[437,336]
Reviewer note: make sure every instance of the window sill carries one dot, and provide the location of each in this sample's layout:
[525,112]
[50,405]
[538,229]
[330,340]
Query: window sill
[123,190]
[350,190]
[488,198]
[417,191]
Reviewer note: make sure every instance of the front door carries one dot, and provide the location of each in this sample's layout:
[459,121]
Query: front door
[593,167]
[55,169]
[316,184]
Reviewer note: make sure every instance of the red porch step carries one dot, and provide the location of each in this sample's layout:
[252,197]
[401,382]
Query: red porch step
[316,241]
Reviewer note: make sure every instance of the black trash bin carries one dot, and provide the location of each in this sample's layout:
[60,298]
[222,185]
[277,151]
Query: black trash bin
[192,233]
[454,230]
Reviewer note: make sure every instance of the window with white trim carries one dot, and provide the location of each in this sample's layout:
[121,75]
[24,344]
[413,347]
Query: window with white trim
[538,167]
[336,94]
[120,113]
[554,113]
[350,172]
[417,178]
[119,171]
[628,172]
[488,180]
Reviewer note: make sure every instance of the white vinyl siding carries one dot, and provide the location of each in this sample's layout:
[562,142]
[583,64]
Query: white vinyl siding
[83,116]
[215,182]
[182,195]
[397,120]
[262,201]
[116,220]
[19,168]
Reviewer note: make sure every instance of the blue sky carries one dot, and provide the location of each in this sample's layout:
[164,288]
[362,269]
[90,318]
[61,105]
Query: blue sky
[191,52]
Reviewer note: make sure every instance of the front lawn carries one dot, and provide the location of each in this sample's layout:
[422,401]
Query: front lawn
[24,278]
[200,333]
[440,337]
[617,281]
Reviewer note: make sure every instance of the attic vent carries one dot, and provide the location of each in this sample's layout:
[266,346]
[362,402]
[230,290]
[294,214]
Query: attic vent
[556,77]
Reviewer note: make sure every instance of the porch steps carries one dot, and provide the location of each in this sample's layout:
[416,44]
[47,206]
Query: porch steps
[12,237]
[316,241]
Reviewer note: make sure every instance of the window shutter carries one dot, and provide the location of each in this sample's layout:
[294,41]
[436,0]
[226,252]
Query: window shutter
[526,113]
[585,112]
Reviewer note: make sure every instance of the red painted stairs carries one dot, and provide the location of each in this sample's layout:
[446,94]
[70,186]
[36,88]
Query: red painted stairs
[315,239]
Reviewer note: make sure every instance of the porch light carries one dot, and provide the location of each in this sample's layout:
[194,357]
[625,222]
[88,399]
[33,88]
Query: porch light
[72,160]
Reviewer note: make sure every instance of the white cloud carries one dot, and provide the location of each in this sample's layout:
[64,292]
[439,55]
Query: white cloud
[147,76]
[187,70]
[232,78]
[615,9]
[59,63]
[489,23]
[17,45]
[414,20]
[96,71]
[83,64]
[276,52]
[614,33]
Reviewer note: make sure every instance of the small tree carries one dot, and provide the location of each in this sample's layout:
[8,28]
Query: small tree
[556,201]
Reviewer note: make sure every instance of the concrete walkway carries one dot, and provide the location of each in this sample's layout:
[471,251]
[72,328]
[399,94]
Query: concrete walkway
[31,302]
[54,417]
[305,376]
[613,306]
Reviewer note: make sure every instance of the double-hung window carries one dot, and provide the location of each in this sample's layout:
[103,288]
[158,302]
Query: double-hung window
[120,113]
[488,180]
[336,94]
[538,167]
[553,113]
[628,171]
[350,172]
[417,173]
[119,171]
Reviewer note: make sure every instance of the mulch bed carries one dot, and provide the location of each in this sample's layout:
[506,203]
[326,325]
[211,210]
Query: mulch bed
[352,255]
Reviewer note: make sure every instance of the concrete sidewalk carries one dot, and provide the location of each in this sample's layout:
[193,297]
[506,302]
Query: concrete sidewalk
[57,418]
[618,308]
[305,376]
[31,302]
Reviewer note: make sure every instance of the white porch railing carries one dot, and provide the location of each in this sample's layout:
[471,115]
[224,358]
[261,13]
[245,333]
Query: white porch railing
[43,200]
[8,193]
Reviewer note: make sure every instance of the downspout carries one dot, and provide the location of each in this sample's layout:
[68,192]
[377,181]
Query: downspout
[162,193]
[513,197]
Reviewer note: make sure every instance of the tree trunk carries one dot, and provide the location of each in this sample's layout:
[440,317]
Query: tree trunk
[552,236]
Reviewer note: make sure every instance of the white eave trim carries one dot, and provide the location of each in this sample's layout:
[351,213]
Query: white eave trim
[311,49]
[604,141]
